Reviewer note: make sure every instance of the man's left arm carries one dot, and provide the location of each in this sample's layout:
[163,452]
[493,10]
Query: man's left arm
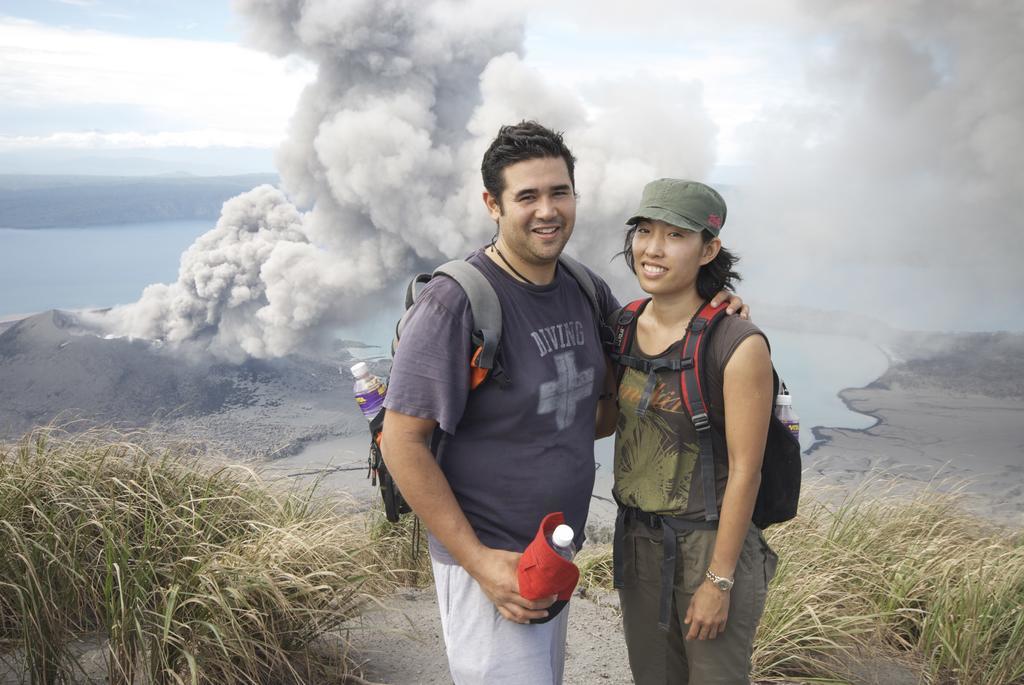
[736,305]
[607,402]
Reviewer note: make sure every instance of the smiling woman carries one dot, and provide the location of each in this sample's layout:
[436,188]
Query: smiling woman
[690,564]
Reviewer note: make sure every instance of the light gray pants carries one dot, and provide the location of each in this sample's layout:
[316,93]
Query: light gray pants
[484,648]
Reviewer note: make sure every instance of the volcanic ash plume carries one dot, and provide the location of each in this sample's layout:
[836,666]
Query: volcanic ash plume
[902,188]
[383,156]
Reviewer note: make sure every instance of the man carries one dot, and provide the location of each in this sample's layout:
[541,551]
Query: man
[510,455]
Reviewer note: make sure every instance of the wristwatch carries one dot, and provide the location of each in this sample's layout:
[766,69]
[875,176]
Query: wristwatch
[722,583]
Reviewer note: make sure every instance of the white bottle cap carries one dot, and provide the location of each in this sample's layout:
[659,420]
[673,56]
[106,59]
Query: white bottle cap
[784,400]
[360,369]
[562,536]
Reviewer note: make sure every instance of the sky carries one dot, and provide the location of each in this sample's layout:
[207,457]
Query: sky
[869,152]
[151,78]
[134,78]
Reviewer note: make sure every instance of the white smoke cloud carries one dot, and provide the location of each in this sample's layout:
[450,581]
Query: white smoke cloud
[893,181]
[383,156]
[900,189]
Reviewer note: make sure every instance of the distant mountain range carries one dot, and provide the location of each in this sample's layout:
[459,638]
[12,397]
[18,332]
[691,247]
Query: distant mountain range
[38,201]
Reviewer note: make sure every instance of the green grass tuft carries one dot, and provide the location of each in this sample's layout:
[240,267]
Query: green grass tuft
[187,574]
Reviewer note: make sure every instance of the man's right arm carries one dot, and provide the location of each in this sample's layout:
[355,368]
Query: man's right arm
[405,447]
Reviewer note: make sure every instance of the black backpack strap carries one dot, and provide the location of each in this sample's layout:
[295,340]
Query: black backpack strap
[585,279]
[670,526]
[692,354]
[412,292]
[622,325]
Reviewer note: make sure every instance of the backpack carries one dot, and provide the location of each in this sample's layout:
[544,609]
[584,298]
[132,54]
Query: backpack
[779,492]
[485,360]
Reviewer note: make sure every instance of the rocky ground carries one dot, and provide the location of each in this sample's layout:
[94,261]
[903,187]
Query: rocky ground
[399,642]
[53,370]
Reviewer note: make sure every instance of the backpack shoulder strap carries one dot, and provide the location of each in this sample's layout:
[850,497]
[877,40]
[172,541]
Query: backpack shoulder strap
[691,373]
[412,293]
[622,323]
[484,306]
[586,281]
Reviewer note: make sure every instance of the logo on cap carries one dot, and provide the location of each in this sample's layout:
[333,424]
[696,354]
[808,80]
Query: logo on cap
[715,221]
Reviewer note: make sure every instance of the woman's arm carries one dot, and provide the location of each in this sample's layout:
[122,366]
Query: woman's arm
[748,405]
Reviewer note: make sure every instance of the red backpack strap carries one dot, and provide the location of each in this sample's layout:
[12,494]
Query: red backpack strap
[692,356]
[623,327]
[623,324]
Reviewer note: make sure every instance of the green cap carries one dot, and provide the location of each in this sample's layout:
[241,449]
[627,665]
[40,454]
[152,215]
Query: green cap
[686,204]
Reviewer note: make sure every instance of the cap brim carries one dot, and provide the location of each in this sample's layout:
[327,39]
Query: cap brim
[669,217]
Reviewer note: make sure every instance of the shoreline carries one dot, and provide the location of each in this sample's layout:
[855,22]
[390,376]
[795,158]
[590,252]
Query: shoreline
[967,444]
[821,434]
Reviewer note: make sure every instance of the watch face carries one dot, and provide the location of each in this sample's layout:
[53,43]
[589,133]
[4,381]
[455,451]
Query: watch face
[723,585]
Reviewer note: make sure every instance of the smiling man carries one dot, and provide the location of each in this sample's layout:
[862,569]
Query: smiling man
[510,454]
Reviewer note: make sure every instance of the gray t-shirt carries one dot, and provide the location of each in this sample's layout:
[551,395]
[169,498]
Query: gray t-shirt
[513,455]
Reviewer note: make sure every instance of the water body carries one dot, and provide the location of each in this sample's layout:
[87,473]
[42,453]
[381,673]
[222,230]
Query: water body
[95,266]
[816,367]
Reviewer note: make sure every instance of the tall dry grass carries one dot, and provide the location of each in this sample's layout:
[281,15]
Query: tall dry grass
[186,574]
[879,579]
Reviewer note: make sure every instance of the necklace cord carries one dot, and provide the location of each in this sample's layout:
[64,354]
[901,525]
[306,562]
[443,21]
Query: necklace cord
[509,265]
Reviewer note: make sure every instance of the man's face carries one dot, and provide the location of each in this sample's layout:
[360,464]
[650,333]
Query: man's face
[537,211]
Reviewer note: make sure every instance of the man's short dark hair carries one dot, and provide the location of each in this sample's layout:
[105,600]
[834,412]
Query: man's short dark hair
[517,143]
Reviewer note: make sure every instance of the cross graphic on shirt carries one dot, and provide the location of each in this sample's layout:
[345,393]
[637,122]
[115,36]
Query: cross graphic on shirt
[562,395]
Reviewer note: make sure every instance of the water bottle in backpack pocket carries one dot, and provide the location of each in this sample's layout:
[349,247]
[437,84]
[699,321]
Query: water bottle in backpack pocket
[784,412]
[369,391]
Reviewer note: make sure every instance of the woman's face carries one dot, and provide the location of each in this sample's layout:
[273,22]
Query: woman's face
[667,258]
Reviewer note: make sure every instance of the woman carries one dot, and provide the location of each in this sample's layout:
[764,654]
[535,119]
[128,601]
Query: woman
[712,597]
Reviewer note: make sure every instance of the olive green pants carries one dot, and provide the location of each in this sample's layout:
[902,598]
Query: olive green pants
[657,657]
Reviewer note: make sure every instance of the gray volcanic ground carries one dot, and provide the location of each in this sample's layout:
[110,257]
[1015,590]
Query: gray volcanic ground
[54,370]
[950,405]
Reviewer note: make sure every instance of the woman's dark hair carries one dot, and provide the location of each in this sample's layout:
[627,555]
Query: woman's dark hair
[716,275]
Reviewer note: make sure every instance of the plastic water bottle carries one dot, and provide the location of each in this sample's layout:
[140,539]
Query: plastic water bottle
[368,389]
[561,541]
[784,412]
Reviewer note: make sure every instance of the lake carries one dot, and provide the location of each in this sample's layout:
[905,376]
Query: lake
[93,266]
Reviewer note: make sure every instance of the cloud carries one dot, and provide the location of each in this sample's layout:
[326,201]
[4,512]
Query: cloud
[885,177]
[202,86]
[384,152]
[208,138]
[905,176]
